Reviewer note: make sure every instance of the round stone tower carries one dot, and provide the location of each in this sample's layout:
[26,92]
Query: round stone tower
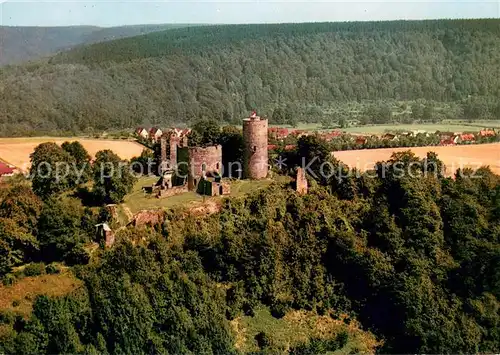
[203,162]
[255,157]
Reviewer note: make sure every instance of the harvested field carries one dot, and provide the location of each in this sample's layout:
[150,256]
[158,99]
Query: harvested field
[472,156]
[16,151]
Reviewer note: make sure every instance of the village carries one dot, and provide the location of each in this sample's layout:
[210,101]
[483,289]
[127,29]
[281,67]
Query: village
[279,135]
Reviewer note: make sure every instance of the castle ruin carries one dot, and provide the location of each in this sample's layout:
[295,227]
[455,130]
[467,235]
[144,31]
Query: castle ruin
[204,164]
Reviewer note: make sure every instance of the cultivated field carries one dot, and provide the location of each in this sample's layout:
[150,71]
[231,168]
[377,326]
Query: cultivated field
[454,157]
[16,151]
[431,128]
[455,126]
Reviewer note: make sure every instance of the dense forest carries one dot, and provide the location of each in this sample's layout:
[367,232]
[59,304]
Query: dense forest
[371,72]
[414,257]
[23,43]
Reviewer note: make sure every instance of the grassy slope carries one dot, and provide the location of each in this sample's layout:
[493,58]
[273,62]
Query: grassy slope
[25,290]
[297,327]
[137,201]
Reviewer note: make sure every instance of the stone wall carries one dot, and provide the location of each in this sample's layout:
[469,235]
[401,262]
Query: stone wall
[301,182]
[176,190]
[204,159]
[255,158]
[174,143]
[109,239]
[163,149]
[148,218]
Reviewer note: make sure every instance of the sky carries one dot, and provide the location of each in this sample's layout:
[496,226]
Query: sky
[117,13]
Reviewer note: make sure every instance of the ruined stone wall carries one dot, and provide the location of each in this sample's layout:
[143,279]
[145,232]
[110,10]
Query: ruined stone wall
[209,158]
[151,218]
[109,239]
[174,143]
[163,149]
[176,190]
[301,182]
[255,157]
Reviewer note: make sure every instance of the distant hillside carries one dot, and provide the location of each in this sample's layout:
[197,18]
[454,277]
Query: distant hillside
[223,71]
[18,44]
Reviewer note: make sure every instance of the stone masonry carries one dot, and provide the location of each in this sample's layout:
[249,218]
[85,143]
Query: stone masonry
[255,137]
[203,162]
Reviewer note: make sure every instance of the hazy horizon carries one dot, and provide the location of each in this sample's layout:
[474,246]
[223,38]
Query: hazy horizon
[136,13]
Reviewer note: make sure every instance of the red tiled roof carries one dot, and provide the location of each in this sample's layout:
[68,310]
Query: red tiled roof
[467,137]
[486,133]
[287,147]
[154,130]
[332,134]
[5,169]
[448,141]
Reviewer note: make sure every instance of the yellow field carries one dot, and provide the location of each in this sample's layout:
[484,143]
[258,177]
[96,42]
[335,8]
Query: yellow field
[16,151]
[472,156]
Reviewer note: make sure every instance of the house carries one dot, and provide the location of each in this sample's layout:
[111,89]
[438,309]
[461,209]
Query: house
[487,133]
[449,140]
[328,136]
[445,135]
[299,133]
[465,138]
[6,170]
[278,132]
[155,134]
[141,132]
[286,147]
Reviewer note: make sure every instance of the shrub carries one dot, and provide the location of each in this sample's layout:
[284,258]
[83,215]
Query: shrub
[9,280]
[279,309]
[6,317]
[34,269]
[341,339]
[16,303]
[77,256]
[52,269]
[248,309]
[263,340]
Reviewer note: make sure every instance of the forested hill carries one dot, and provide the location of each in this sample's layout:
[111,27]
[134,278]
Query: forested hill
[23,43]
[196,40]
[223,71]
